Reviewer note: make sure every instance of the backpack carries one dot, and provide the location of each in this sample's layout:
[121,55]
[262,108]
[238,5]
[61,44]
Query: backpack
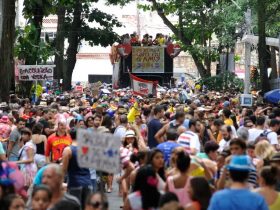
[265,133]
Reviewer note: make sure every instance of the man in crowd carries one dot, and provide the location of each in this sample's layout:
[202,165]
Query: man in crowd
[53,177]
[254,133]
[47,131]
[226,115]
[168,146]
[57,142]
[238,196]
[154,126]
[189,139]
[271,133]
[13,143]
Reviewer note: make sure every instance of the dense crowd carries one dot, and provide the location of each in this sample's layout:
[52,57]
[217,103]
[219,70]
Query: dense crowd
[202,152]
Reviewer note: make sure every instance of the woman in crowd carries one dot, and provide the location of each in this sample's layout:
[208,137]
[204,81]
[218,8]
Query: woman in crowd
[12,202]
[145,193]
[40,141]
[97,201]
[264,152]
[268,181]
[41,197]
[179,183]
[156,160]
[26,159]
[200,193]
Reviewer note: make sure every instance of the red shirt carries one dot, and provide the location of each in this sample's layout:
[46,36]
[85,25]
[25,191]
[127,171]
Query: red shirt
[56,145]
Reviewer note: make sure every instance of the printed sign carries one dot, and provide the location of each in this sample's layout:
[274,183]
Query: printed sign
[246,100]
[143,87]
[147,59]
[99,151]
[35,72]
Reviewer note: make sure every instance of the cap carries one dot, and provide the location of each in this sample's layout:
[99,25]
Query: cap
[129,133]
[240,163]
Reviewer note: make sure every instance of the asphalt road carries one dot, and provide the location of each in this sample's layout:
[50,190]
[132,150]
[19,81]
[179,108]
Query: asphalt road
[114,200]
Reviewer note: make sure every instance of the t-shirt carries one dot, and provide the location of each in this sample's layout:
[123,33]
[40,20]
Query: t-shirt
[2,152]
[14,137]
[120,131]
[233,199]
[254,133]
[68,202]
[167,148]
[228,122]
[272,137]
[223,144]
[56,145]
[189,140]
[153,127]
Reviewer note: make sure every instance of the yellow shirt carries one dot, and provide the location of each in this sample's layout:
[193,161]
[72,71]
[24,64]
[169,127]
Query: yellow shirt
[276,204]
[228,122]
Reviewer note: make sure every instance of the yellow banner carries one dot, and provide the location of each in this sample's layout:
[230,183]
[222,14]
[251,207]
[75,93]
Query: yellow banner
[147,59]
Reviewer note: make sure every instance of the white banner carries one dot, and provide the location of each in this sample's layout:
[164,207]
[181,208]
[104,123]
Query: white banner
[99,151]
[143,87]
[35,72]
[115,76]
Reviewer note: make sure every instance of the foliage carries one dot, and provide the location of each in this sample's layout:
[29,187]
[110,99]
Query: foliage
[25,49]
[223,82]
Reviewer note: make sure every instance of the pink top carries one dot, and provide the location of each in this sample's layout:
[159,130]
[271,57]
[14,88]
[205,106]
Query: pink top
[182,193]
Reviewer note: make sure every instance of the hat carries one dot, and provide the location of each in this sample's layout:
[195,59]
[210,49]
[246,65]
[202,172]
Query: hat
[226,104]
[240,163]
[4,119]
[129,133]
[275,157]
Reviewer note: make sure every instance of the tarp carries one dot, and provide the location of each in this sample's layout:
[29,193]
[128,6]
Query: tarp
[273,96]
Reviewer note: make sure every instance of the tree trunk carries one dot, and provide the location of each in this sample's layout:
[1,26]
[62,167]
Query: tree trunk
[59,43]
[73,41]
[262,51]
[273,64]
[6,48]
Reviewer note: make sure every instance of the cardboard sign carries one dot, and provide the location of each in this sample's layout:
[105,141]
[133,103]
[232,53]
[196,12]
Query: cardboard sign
[147,59]
[35,72]
[99,151]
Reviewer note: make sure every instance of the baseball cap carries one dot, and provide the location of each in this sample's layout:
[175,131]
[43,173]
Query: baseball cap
[240,163]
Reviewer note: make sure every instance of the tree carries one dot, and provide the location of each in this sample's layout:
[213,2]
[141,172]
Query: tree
[79,21]
[6,48]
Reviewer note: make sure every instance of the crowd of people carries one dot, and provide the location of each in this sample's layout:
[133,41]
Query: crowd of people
[205,152]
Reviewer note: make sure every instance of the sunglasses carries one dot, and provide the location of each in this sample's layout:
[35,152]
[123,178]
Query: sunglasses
[97,204]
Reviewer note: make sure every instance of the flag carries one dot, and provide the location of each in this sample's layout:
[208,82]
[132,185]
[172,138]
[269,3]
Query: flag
[143,87]
[133,112]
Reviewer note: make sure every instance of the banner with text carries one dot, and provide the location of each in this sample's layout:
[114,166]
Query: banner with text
[99,151]
[143,87]
[147,59]
[35,72]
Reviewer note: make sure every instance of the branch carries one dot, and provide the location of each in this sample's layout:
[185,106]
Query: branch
[167,22]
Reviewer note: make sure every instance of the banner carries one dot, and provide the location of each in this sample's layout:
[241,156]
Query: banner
[115,76]
[35,72]
[143,87]
[147,59]
[99,151]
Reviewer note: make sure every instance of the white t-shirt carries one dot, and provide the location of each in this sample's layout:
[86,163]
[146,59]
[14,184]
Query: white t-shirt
[189,140]
[254,133]
[223,144]
[272,137]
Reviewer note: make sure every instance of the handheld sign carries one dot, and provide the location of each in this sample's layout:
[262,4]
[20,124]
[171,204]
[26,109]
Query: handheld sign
[35,72]
[246,100]
[99,151]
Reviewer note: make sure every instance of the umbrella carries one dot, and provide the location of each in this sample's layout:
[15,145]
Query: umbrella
[273,96]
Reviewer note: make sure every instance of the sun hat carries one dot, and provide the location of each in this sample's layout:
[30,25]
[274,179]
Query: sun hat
[240,163]
[129,134]
[4,119]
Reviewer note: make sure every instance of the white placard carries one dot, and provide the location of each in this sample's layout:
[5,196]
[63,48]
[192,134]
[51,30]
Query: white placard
[99,151]
[35,72]
[246,100]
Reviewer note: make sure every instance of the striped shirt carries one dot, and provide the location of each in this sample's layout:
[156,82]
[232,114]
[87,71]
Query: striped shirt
[189,140]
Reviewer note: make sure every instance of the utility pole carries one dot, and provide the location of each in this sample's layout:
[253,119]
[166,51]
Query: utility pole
[138,18]
[1,20]
[248,21]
